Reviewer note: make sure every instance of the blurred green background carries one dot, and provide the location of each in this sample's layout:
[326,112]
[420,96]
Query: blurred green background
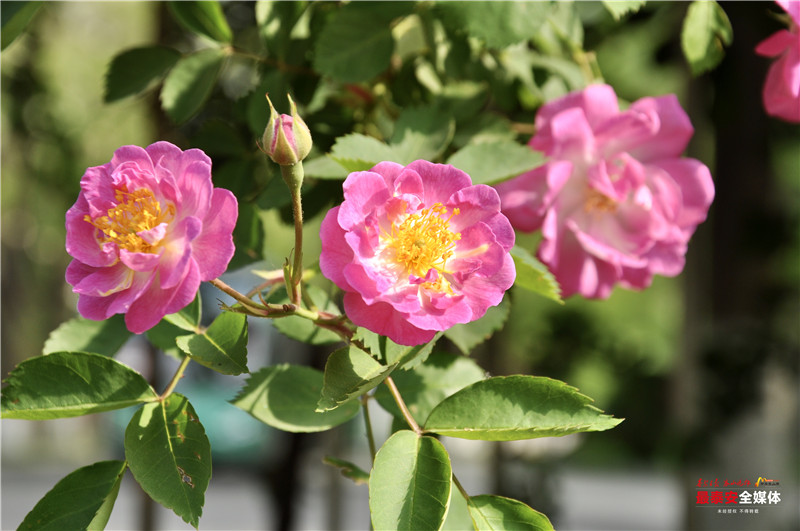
[704,367]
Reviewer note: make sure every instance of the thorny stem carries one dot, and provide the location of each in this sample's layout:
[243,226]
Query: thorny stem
[402,405]
[293,175]
[217,283]
[460,487]
[368,423]
[338,324]
[175,379]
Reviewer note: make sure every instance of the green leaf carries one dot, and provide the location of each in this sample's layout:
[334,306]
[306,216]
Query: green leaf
[706,31]
[357,152]
[490,513]
[534,276]
[81,500]
[190,82]
[83,335]
[348,470]
[133,71]
[170,456]
[349,372]
[468,336]
[285,397]
[15,18]
[189,317]
[509,408]
[324,168]
[386,350]
[493,162]
[421,133]
[222,347]
[409,486]
[304,330]
[276,20]
[463,100]
[620,8]
[204,18]
[70,384]
[355,45]
[499,24]
[424,387]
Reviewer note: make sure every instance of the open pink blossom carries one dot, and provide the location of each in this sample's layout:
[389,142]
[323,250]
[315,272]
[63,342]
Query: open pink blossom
[417,249]
[781,92]
[616,203]
[146,229]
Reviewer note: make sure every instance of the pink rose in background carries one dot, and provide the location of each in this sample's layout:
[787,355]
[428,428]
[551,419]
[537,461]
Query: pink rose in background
[417,249]
[781,92]
[616,203]
[146,229]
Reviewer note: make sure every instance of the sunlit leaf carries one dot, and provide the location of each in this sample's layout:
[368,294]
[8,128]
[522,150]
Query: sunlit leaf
[348,470]
[425,386]
[516,407]
[81,500]
[70,384]
[222,347]
[421,133]
[386,350]
[620,8]
[324,168]
[357,152]
[409,486]
[496,513]
[534,275]
[84,335]
[468,336]
[499,24]
[189,83]
[133,71]
[350,372]
[355,45]
[189,317]
[706,31]
[493,162]
[204,18]
[169,455]
[285,397]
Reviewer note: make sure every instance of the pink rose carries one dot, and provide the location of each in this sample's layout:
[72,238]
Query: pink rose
[616,202]
[781,92]
[417,249]
[146,229]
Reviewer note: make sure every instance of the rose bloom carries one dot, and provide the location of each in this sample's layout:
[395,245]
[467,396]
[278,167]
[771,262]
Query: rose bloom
[781,92]
[417,249]
[146,229]
[616,203]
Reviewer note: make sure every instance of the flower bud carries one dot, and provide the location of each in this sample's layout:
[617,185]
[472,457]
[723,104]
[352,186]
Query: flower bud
[287,139]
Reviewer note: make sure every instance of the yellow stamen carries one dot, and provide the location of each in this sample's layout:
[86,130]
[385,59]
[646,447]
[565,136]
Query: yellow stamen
[424,241]
[136,211]
[598,202]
